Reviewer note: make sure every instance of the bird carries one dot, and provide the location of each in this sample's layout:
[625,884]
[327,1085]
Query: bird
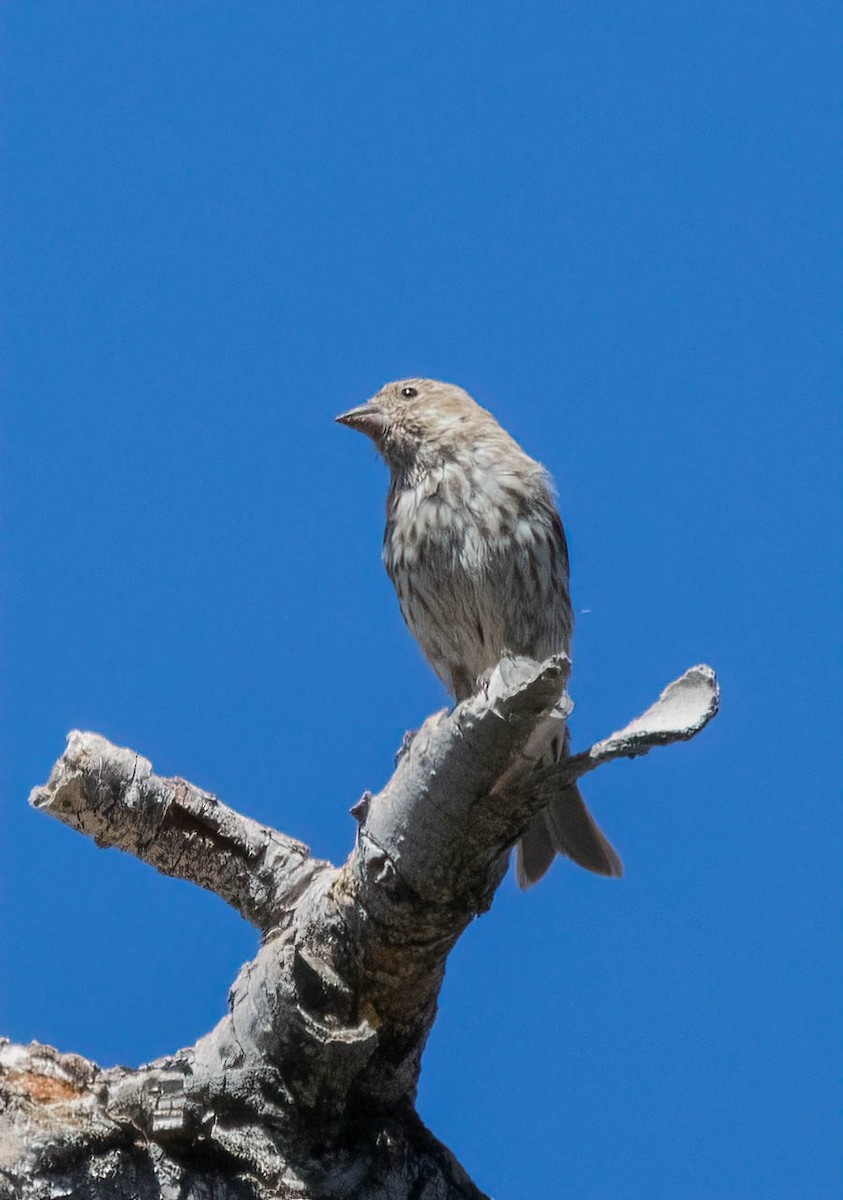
[477,554]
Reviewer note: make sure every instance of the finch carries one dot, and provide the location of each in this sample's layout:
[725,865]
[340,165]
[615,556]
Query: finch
[477,554]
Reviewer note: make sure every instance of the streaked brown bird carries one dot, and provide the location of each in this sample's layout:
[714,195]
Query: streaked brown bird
[476,551]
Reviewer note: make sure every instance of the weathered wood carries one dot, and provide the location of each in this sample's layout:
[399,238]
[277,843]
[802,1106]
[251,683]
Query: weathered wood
[111,795]
[306,1087]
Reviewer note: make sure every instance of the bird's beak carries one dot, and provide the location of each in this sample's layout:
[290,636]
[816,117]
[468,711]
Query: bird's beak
[368,418]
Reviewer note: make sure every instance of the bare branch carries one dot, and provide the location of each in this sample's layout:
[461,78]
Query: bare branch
[443,787]
[306,1087]
[111,795]
[684,708]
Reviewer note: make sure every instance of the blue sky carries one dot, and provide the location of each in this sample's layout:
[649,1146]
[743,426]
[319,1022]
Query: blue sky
[613,224]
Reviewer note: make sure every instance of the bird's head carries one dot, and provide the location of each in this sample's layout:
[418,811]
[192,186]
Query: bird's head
[416,422]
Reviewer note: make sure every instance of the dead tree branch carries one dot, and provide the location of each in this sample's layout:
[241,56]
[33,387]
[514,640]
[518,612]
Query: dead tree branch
[307,1085]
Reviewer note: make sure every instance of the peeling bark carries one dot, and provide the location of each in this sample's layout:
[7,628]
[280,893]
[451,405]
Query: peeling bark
[307,1086]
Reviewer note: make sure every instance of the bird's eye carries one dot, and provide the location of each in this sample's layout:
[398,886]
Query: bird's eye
[409,392]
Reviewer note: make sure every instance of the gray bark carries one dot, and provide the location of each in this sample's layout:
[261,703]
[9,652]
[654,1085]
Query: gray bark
[306,1087]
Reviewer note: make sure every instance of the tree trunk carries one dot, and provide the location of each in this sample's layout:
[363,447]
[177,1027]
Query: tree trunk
[306,1088]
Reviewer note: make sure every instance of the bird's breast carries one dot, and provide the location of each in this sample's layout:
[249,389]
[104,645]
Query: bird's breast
[476,573]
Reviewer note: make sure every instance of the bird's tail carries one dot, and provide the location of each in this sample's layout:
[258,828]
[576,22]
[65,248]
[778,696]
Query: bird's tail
[564,827]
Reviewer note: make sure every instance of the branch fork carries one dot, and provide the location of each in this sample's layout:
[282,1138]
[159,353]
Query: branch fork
[306,1086]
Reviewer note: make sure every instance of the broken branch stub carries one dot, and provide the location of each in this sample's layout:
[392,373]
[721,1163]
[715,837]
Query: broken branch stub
[112,795]
[683,709]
